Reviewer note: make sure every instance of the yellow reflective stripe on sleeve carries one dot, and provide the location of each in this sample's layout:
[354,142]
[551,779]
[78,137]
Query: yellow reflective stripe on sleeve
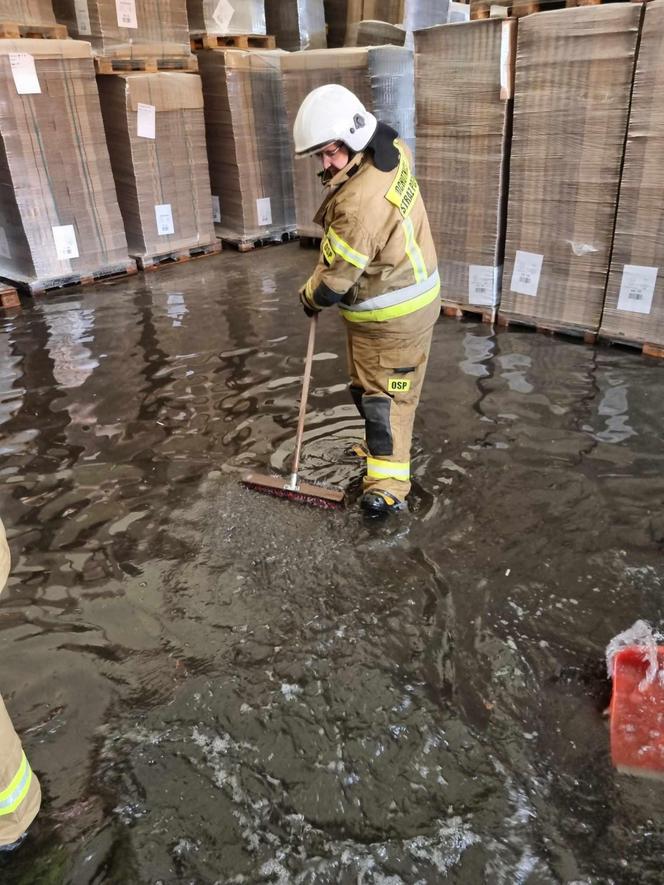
[414,252]
[11,798]
[404,190]
[382,314]
[345,251]
[379,469]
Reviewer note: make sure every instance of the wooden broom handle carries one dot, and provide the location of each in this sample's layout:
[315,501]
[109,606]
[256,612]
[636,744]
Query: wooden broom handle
[306,381]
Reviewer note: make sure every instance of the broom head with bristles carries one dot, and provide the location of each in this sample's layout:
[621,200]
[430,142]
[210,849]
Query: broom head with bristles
[305,493]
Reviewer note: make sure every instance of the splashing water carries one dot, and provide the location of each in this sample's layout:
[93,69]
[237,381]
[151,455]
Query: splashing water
[641,635]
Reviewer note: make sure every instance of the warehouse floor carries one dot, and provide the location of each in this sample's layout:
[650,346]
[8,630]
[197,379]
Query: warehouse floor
[216,686]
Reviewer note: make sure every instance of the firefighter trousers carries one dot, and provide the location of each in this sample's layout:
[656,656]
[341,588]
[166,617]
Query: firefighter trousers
[20,794]
[387,370]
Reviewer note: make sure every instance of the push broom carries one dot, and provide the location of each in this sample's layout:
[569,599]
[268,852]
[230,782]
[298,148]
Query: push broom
[293,488]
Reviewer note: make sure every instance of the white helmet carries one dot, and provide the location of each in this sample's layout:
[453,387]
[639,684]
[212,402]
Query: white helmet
[332,113]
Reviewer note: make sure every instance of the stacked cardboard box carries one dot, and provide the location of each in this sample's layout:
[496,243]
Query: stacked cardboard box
[156,136]
[128,27]
[27,12]
[296,24]
[574,75]
[336,13]
[391,11]
[634,306]
[227,18]
[382,77]
[59,215]
[463,89]
[373,33]
[248,144]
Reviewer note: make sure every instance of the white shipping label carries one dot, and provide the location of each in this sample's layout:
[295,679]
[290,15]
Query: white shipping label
[482,285]
[637,289]
[126,10]
[82,14]
[24,73]
[164,215]
[216,209]
[223,14]
[146,120]
[526,273]
[506,38]
[4,244]
[66,246]
[264,209]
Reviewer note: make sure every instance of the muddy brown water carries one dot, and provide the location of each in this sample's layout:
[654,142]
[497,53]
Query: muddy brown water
[219,687]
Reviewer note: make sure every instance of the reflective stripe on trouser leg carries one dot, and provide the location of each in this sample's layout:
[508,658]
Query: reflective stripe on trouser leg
[12,796]
[378,469]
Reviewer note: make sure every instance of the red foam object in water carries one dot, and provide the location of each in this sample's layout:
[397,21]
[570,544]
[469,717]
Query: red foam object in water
[637,714]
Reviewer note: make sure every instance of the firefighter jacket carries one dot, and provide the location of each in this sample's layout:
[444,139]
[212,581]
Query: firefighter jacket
[20,794]
[378,260]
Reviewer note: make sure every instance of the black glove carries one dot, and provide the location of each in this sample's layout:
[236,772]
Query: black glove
[309,309]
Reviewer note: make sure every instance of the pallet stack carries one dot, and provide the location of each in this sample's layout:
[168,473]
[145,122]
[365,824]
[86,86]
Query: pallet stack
[248,146]
[155,130]
[59,218]
[296,24]
[634,305]
[29,18]
[464,82]
[382,77]
[574,74]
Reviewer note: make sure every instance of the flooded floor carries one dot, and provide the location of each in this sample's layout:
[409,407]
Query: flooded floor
[220,687]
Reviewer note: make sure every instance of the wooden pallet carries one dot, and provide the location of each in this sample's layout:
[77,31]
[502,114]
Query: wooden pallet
[177,256]
[201,40]
[240,244]
[461,311]
[150,64]
[506,322]
[8,297]
[16,31]
[517,8]
[104,274]
[656,351]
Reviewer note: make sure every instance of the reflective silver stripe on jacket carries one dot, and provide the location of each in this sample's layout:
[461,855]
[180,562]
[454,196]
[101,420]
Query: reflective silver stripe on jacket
[398,296]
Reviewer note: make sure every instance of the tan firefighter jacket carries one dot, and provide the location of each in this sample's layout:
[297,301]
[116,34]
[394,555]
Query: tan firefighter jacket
[20,794]
[378,260]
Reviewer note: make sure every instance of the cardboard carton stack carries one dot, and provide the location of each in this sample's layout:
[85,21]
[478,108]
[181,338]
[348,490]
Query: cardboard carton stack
[155,130]
[382,77]
[59,217]
[296,24]
[227,18]
[373,33]
[248,145]
[574,74]
[128,28]
[463,89]
[27,12]
[634,306]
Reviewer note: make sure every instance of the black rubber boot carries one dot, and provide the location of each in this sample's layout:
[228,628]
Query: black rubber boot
[14,845]
[378,503]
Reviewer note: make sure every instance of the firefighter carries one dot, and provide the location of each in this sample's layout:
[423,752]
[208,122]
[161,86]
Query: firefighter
[20,794]
[378,265]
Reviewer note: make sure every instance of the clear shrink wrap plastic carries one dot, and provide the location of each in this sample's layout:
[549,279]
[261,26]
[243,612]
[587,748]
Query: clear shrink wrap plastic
[128,27]
[634,305]
[155,130]
[381,77]
[296,24]
[27,12]
[463,86]
[248,144]
[59,217]
[227,17]
[574,73]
